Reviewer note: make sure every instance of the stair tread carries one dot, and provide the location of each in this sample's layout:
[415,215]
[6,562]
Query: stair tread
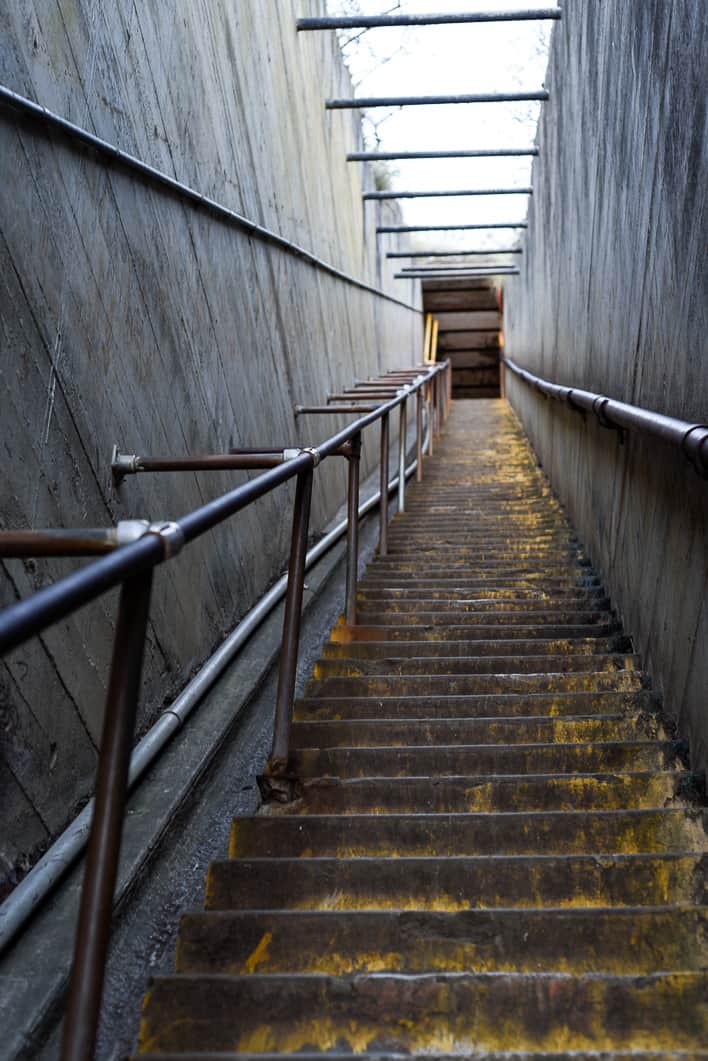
[587,831]
[455,1009]
[602,940]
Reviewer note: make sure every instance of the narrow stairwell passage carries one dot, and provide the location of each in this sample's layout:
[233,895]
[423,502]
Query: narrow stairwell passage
[494,852]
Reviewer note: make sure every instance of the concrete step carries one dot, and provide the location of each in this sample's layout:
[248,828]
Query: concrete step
[610,680]
[515,647]
[509,705]
[493,538]
[490,615]
[485,602]
[614,940]
[392,595]
[342,633]
[483,759]
[491,882]
[446,835]
[454,795]
[383,732]
[382,566]
[443,552]
[428,1012]
[574,1055]
[431,665]
[468,582]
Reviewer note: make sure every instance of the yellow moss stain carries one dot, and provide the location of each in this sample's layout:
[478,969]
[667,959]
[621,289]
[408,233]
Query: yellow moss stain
[336,964]
[260,955]
[439,1024]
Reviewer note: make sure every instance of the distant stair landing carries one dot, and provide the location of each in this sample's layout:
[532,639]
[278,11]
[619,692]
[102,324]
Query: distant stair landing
[495,852]
[470,322]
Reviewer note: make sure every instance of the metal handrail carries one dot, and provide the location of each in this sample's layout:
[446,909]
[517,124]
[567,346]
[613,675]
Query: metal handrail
[691,439]
[115,156]
[131,567]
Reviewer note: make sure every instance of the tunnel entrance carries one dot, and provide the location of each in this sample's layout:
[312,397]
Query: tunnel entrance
[470,323]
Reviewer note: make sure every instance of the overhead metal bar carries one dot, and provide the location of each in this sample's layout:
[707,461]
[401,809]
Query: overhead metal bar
[359,102]
[431,19]
[389,156]
[450,228]
[450,254]
[447,193]
[461,273]
[471,269]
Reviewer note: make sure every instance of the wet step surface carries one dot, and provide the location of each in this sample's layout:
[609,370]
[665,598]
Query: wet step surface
[495,849]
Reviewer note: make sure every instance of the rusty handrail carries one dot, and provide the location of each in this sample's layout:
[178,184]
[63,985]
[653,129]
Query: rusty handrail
[691,439]
[131,566]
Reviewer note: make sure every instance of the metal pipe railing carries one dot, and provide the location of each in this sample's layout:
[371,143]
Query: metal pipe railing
[431,19]
[691,439]
[385,229]
[32,889]
[131,567]
[453,254]
[446,193]
[389,156]
[369,102]
[113,155]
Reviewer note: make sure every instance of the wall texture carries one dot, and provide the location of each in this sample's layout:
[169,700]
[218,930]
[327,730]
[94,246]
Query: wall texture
[613,296]
[129,316]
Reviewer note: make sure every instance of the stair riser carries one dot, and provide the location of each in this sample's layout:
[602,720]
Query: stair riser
[466,583]
[480,760]
[468,1011]
[486,795]
[491,616]
[598,941]
[480,604]
[470,635]
[391,836]
[460,685]
[564,705]
[372,734]
[430,666]
[457,883]
[372,650]
[374,597]
[382,567]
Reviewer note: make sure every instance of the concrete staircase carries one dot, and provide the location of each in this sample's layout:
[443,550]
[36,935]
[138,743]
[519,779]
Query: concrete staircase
[495,852]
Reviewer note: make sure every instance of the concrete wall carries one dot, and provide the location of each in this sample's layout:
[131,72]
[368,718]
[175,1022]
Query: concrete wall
[613,297]
[128,316]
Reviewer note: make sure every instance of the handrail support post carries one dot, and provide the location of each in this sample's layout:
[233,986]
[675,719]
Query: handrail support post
[93,932]
[354,460]
[279,762]
[402,456]
[383,486]
[419,435]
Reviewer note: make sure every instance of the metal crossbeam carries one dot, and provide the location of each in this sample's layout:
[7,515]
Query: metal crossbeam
[388,156]
[451,254]
[428,101]
[459,274]
[450,228]
[431,19]
[495,267]
[447,193]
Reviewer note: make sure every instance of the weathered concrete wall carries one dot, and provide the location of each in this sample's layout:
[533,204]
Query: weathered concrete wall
[613,297]
[129,316]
